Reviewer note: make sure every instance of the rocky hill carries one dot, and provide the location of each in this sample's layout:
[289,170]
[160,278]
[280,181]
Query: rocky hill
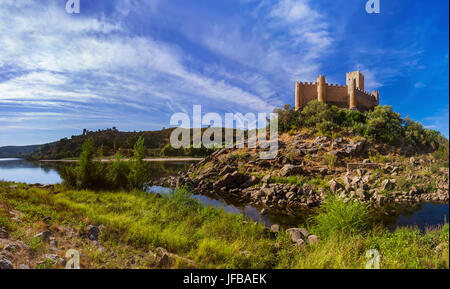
[311,165]
[308,168]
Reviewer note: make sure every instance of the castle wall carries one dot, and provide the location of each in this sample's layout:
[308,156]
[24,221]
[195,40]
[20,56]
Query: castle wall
[364,100]
[308,91]
[337,95]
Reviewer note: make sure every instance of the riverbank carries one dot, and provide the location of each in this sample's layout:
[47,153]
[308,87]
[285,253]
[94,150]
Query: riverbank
[136,230]
[127,159]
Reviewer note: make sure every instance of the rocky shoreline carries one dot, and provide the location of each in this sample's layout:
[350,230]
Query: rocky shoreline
[239,174]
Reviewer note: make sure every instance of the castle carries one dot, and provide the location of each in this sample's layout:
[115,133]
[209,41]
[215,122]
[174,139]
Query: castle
[351,96]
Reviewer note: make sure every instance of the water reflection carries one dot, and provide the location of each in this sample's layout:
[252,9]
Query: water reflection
[22,171]
[422,216]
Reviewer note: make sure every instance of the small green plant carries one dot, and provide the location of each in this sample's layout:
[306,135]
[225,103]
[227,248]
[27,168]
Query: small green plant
[339,217]
[330,160]
[46,264]
[36,244]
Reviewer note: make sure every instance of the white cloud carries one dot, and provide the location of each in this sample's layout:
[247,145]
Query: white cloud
[68,61]
[419,85]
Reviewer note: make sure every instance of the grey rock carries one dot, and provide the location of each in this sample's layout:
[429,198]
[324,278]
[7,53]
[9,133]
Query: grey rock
[266,178]
[4,234]
[12,248]
[162,257]
[45,235]
[297,234]
[289,170]
[387,185]
[334,185]
[92,232]
[275,228]
[6,264]
[299,243]
[313,239]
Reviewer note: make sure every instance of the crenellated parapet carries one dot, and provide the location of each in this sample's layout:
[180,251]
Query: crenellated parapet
[351,96]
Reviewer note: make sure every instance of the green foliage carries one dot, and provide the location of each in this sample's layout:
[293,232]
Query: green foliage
[137,223]
[330,160]
[169,151]
[339,217]
[46,264]
[118,174]
[138,174]
[381,124]
[384,124]
[287,117]
[90,174]
[118,171]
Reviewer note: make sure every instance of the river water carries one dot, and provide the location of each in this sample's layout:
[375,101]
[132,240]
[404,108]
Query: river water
[422,216]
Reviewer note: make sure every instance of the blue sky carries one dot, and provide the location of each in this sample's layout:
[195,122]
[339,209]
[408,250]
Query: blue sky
[132,64]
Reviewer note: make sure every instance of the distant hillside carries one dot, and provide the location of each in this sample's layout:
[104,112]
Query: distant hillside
[17,151]
[110,141]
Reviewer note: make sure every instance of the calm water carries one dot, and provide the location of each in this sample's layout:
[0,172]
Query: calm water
[21,171]
[422,216]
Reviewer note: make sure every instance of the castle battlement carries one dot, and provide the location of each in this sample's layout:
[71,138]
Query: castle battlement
[352,95]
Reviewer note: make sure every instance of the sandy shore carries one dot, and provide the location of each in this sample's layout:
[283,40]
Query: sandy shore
[147,160]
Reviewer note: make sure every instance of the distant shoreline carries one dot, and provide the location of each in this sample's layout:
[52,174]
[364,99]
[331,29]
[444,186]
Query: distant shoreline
[147,160]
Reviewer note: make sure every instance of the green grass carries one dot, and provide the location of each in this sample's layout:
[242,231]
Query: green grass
[215,239]
[339,217]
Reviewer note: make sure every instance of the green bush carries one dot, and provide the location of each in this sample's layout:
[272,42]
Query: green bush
[137,177]
[118,172]
[90,173]
[383,124]
[338,217]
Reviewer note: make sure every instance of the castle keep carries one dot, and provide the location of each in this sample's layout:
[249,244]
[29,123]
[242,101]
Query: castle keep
[351,96]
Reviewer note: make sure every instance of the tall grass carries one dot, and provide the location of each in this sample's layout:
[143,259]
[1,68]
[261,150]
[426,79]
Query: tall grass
[339,217]
[215,239]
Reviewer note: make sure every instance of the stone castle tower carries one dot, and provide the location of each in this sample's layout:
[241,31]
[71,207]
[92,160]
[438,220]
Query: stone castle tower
[351,96]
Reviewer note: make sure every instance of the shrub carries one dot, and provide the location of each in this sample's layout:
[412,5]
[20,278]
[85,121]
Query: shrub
[90,173]
[287,118]
[118,172]
[383,124]
[337,216]
[69,176]
[137,177]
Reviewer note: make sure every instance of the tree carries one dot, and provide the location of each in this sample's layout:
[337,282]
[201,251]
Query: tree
[138,176]
[383,124]
[89,173]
